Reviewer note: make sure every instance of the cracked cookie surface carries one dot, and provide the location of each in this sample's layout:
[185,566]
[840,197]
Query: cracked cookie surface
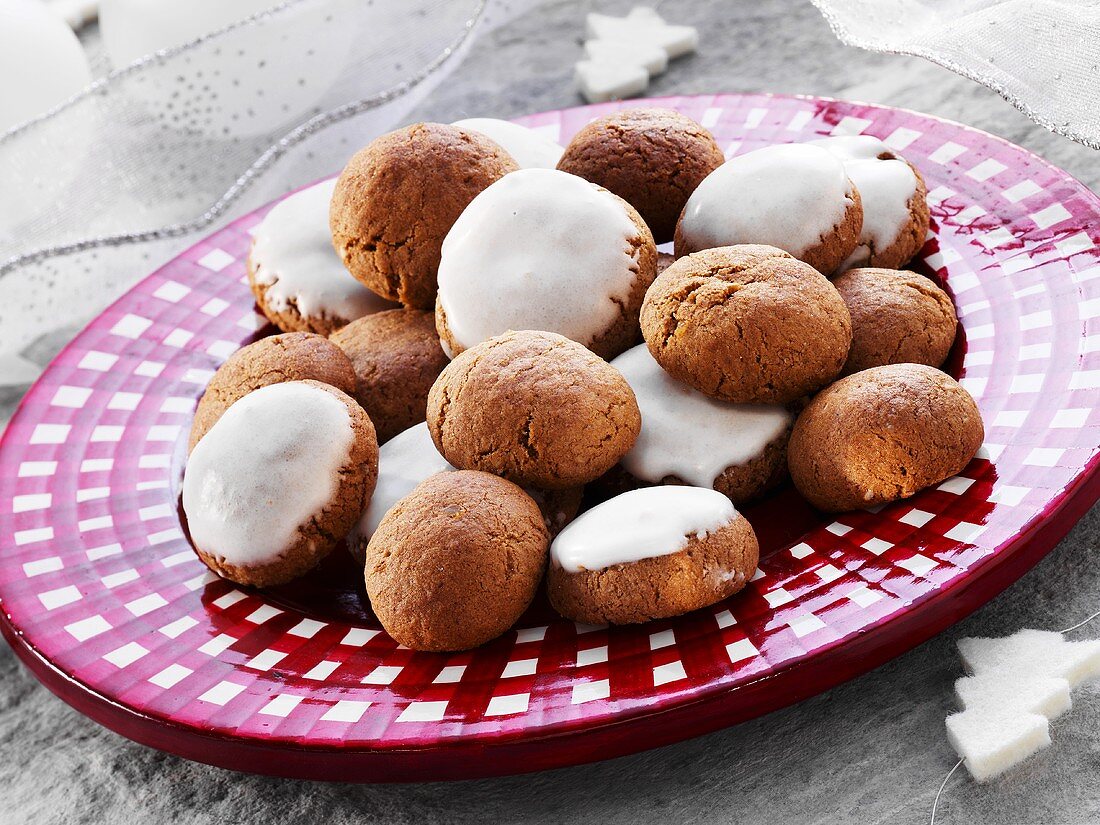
[456,562]
[898,317]
[397,198]
[651,158]
[748,324]
[535,408]
[881,435]
[396,357]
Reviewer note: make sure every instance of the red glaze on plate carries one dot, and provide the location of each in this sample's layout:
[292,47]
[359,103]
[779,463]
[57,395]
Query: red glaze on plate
[107,604]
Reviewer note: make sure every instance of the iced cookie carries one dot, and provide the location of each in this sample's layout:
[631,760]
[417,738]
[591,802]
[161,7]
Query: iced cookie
[740,450]
[299,282]
[541,249]
[892,192]
[747,324]
[650,554]
[292,356]
[397,357]
[456,562]
[279,479]
[794,196]
[651,158]
[534,407]
[528,147]
[898,317]
[397,198]
[411,457]
[882,435]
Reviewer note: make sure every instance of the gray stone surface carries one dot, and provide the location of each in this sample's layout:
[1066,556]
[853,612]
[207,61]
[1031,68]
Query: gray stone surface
[870,751]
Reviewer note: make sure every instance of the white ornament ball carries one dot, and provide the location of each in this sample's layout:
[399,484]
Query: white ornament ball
[41,62]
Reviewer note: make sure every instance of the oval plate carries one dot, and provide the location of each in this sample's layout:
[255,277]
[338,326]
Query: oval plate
[108,605]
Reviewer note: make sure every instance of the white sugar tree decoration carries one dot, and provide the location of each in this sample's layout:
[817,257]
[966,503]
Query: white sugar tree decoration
[1016,686]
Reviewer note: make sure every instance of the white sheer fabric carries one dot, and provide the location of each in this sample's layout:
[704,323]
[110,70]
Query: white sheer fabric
[178,142]
[1043,56]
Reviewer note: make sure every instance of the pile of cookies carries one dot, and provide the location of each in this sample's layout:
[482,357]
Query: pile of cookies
[556,401]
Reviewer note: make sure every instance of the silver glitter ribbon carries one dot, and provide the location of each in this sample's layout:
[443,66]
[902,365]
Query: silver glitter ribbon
[1042,56]
[102,188]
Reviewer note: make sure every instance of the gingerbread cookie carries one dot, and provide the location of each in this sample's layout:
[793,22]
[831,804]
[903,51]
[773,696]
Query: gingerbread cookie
[541,249]
[881,435]
[299,282]
[898,317]
[650,554]
[651,158]
[292,356]
[397,357]
[892,192]
[528,147]
[794,196]
[456,562]
[740,450]
[411,457]
[278,481]
[747,324]
[534,407]
[397,198]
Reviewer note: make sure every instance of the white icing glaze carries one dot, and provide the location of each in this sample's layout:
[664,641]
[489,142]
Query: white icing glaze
[687,434]
[787,196]
[530,149]
[885,185]
[292,255]
[539,249]
[266,467]
[641,524]
[403,462]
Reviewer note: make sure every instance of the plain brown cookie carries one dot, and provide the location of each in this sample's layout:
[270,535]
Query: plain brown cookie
[291,356]
[318,536]
[624,332]
[898,317]
[396,199]
[706,571]
[456,562]
[652,158]
[881,435]
[747,324]
[534,407]
[396,357]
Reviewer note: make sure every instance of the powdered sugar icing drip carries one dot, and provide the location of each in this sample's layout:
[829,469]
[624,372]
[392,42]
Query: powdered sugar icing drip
[403,462]
[538,249]
[787,196]
[529,148]
[269,464]
[292,255]
[886,183]
[685,433]
[641,524]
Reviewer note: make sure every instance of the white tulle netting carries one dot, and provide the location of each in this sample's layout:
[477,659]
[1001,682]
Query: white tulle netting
[179,142]
[1043,56]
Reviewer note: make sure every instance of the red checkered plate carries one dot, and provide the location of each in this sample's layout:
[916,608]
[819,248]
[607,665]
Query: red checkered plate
[107,604]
